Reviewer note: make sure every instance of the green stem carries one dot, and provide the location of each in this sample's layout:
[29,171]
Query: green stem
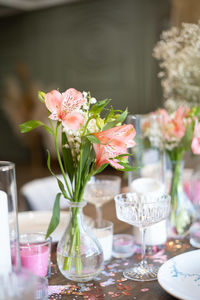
[179,215]
[74,251]
[60,161]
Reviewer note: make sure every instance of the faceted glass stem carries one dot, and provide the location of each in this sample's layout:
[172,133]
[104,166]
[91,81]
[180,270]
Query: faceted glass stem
[142,271]
[143,262]
[99,215]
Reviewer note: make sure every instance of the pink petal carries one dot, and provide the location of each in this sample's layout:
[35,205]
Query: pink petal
[72,100]
[53,116]
[196,145]
[73,120]
[53,101]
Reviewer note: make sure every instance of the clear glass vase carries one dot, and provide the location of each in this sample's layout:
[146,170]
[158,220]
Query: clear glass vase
[79,254]
[182,210]
[149,174]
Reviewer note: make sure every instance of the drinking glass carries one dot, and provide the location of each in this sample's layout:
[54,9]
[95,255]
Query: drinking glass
[104,234]
[142,210]
[23,285]
[100,190]
[35,252]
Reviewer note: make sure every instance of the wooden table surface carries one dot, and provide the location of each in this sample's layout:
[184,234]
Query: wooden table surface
[111,283]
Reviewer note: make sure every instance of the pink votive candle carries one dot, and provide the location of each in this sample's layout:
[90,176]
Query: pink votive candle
[35,253]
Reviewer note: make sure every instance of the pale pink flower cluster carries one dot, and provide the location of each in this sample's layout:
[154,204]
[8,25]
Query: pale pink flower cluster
[171,128]
[196,138]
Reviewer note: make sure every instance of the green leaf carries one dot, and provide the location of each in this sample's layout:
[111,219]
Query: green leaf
[55,219]
[118,120]
[88,161]
[99,106]
[41,96]
[126,167]
[49,130]
[86,151]
[60,184]
[99,170]
[123,155]
[67,157]
[110,115]
[30,125]
[93,139]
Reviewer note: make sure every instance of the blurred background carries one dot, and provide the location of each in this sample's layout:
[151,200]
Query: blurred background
[104,46]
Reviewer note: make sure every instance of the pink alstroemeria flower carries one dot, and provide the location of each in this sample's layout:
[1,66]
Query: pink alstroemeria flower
[173,127]
[63,107]
[114,142]
[196,138]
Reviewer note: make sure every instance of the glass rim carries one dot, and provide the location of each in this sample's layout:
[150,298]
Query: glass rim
[6,165]
[108,226]
[107,177]
[80,204]
[35,243]
[124,196]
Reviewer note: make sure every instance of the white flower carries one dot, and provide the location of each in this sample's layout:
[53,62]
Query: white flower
[85,94]
[93,100]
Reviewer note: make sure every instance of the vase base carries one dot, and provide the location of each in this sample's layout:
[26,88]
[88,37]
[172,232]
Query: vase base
[80,277]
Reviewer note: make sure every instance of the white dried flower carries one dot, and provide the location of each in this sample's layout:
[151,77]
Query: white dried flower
[179,54]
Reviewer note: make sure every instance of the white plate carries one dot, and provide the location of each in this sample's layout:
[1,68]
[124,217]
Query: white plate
[38,221]
[180,276]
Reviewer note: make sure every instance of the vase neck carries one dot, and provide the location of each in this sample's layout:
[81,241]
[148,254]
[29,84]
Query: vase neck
[177,167]
[73,204]
[76,211]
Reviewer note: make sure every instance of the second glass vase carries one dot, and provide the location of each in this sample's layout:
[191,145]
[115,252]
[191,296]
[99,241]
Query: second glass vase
[182,210]
[79,254]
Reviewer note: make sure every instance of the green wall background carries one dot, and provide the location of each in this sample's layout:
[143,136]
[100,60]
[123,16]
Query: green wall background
[104,46]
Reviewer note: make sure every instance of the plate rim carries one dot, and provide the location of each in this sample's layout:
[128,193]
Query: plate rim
[167,263]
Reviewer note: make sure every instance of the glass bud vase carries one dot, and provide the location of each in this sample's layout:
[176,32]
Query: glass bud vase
[79,254]
[182,210]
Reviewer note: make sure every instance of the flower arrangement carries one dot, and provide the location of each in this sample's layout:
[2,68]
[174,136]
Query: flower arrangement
[89,143]
[179,54]
[176,133]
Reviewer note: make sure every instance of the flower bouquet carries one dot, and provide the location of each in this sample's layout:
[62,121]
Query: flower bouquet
[89,143]
[177,133]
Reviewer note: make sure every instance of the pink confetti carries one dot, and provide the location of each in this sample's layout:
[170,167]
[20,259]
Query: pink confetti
[107,282]
[144,290]
[56,289]
[159,257]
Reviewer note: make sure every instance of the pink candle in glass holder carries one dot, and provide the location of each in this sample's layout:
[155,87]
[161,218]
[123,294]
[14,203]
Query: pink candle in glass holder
[35,253]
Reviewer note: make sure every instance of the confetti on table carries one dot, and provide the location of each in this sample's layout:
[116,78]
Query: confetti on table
[116,295]
[56,289]
[144,290]
[108,282]
[122,279]
[126,293]
[159,257]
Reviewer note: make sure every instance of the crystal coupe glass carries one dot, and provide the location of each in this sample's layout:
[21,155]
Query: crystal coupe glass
[141,210]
